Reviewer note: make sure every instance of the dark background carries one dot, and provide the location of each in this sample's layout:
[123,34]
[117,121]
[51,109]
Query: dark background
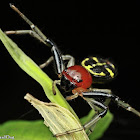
[85,28]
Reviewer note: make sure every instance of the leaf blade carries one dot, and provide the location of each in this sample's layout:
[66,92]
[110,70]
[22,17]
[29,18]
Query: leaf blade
[26,130]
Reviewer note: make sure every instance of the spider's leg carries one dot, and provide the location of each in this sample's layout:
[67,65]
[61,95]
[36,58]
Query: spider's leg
[69,132]
[54,84]
[101,93]
[58,60]
[72,97]
[91,129]
[46,63]
[126,106]
[107,95]
[23,32]
[96,109]
[97,90]
[58,63]
[102,112]
[71,61]
[35,32]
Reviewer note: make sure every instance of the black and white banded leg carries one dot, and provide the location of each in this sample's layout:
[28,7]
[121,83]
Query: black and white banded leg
[106,94]
[59,64]
[102,110]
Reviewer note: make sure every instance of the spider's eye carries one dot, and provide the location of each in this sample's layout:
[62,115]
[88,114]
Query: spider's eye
[79,80]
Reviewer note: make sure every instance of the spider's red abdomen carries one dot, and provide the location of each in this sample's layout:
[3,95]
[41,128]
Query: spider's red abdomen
[79,76]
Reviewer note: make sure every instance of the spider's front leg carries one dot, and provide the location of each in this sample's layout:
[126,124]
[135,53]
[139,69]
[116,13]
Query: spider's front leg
[35,31]
[59,63]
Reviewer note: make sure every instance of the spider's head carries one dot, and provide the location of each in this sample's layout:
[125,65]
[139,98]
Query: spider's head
[74,77]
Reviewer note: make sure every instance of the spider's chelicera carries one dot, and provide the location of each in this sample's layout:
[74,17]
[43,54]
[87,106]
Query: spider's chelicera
[79,78]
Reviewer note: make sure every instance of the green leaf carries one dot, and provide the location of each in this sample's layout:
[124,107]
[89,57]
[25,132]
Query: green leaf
[26,130]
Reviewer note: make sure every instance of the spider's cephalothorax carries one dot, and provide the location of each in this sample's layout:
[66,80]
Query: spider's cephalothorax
[74,77]
[79,79]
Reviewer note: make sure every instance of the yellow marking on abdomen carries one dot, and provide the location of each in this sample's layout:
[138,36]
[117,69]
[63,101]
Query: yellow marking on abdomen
[110,71]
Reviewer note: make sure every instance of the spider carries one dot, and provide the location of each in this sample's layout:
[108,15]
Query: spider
[79,78]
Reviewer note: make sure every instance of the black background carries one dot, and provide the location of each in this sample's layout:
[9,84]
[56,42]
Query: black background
[85,28]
